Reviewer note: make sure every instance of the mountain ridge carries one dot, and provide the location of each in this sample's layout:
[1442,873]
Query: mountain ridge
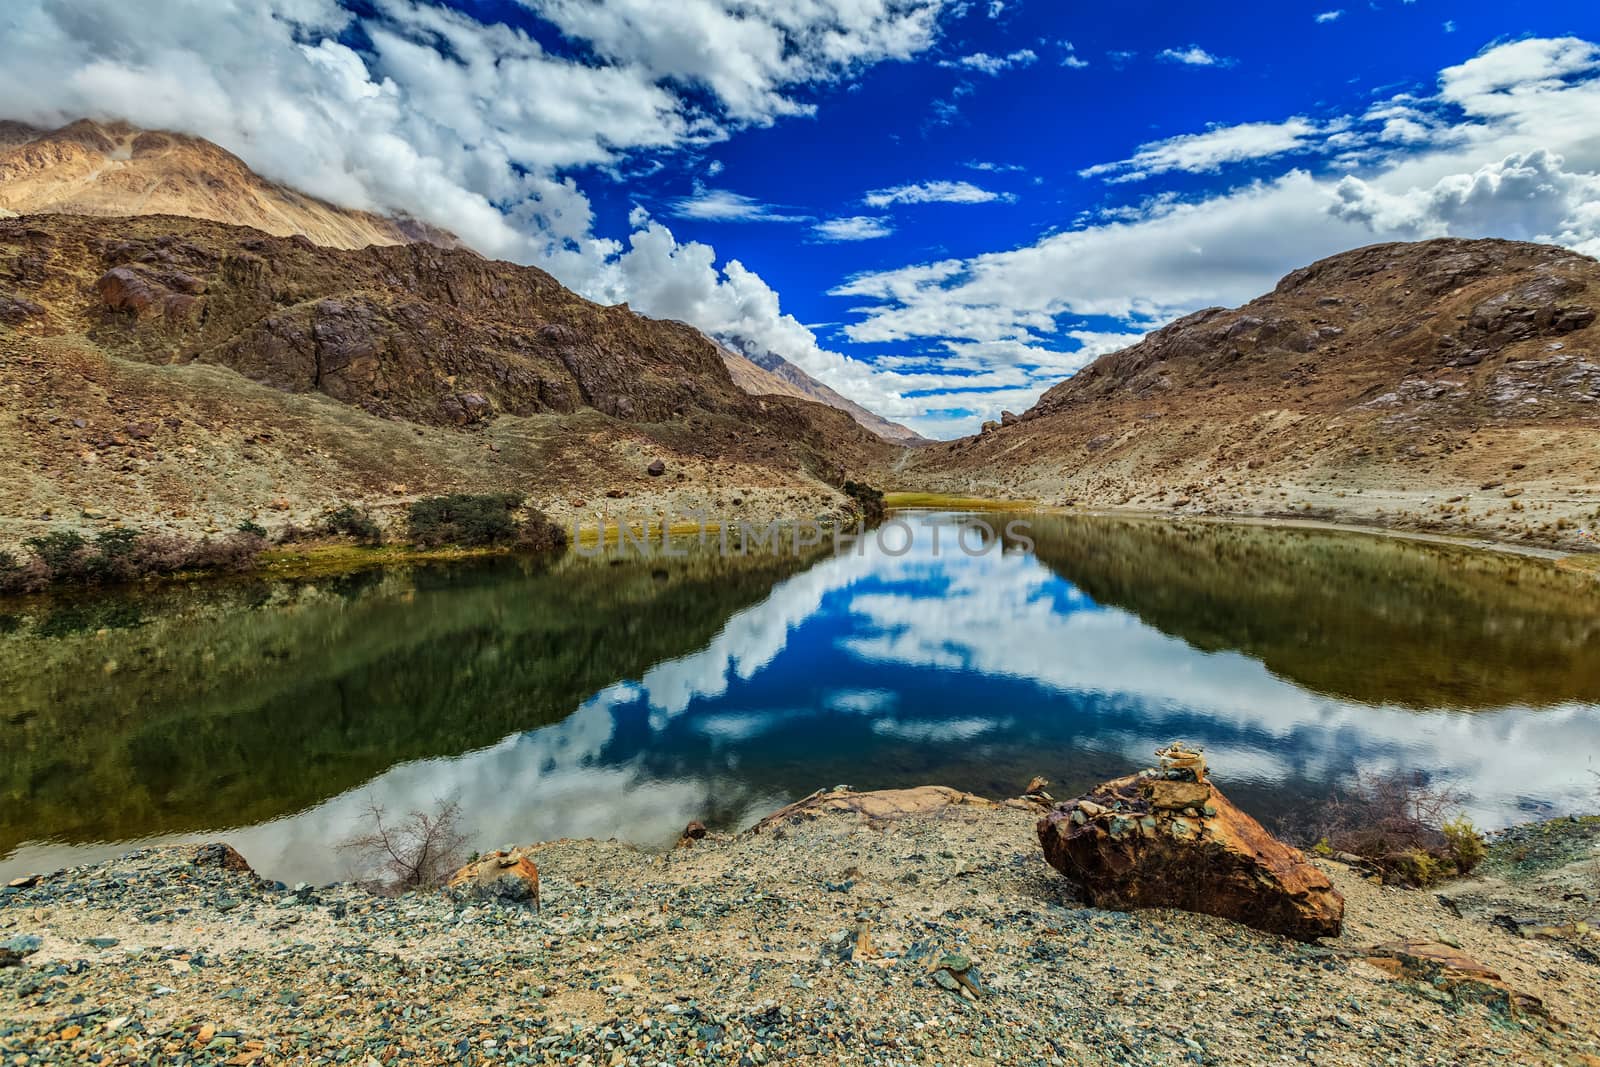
[1449,384]
[163,369]
[117,169]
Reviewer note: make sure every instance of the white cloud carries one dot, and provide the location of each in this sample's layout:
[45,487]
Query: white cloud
[721,205]
[938,192]
[1526,197]
[1328,16]
[471,126]
[1071,58]
[1192,56]
[1208,151]
[984,63]
[854,228]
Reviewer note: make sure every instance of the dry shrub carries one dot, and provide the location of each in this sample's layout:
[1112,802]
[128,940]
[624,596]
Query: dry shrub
[1400,824]
[65,557]
[539,534]
[418,851]
[19,576]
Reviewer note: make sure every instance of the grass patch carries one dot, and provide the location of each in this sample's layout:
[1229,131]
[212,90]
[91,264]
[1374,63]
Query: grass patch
[949,502]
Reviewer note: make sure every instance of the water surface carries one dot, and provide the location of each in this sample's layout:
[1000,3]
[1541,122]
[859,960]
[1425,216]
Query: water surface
[624,696]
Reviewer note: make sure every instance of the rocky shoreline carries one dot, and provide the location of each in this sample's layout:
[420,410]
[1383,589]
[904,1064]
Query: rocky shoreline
[917,926]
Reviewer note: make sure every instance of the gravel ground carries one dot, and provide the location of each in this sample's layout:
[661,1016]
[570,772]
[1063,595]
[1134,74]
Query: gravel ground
[810,942]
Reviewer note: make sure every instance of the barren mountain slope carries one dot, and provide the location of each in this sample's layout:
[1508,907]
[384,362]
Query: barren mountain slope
[159,368]
[1445,384]
[92,168]
[776,376]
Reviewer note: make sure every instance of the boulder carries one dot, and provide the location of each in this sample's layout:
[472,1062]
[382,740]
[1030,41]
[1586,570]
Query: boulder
[1163,839]
[499,877]
[695,831]
[221,856]
[1445,968]
[656,469]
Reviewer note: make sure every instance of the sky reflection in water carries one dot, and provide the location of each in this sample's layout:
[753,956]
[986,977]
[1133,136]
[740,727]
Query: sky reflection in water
[979,672]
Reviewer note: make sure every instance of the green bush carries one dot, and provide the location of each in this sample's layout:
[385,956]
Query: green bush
[1464,843]
[61,552]
[121,555]
[868,499]
[252,528]
[539,534]
[347,520]
[467,519]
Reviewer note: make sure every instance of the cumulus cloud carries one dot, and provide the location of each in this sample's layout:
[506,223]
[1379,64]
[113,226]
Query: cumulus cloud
[1326,17]
[854,228]
[938,192]
[1526,197]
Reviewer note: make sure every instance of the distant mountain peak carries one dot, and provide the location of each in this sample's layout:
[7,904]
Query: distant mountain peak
[765,373]
[90,167]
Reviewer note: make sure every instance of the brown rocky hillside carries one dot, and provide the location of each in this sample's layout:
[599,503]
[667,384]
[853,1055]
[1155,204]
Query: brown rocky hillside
[1449,384]
[115,169]
[157,368]
[94,168]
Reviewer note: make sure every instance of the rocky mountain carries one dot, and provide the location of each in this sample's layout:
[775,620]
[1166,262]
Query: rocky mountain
[1446,384]
[164,367]
[114,169]
[97,168]
[769,374]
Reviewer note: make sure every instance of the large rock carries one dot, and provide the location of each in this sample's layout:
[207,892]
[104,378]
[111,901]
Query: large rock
[499,877]
[1163,839]
[1449,969]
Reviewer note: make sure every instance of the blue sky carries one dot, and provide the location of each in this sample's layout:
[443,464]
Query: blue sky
[938,207]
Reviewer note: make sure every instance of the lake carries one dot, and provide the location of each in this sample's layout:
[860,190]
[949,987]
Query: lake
[623,696]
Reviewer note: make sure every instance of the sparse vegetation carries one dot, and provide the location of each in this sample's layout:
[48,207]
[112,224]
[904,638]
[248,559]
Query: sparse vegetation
[467,519]
[417,852]
[66,557]
[1399,824]
[347,520]
[1464,843]
[868,499]
[480,520]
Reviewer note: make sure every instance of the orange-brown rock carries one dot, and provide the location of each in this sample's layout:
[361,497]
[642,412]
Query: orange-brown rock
[1149,840]
[501,877]
[1453,971]
[220,855]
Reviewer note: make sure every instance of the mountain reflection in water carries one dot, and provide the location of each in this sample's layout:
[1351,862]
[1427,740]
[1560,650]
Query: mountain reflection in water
[625,697]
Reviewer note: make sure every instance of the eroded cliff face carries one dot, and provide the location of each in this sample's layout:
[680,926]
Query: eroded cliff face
[1429,384]
[126,340]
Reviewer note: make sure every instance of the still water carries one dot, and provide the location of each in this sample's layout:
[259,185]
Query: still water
[623,697]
